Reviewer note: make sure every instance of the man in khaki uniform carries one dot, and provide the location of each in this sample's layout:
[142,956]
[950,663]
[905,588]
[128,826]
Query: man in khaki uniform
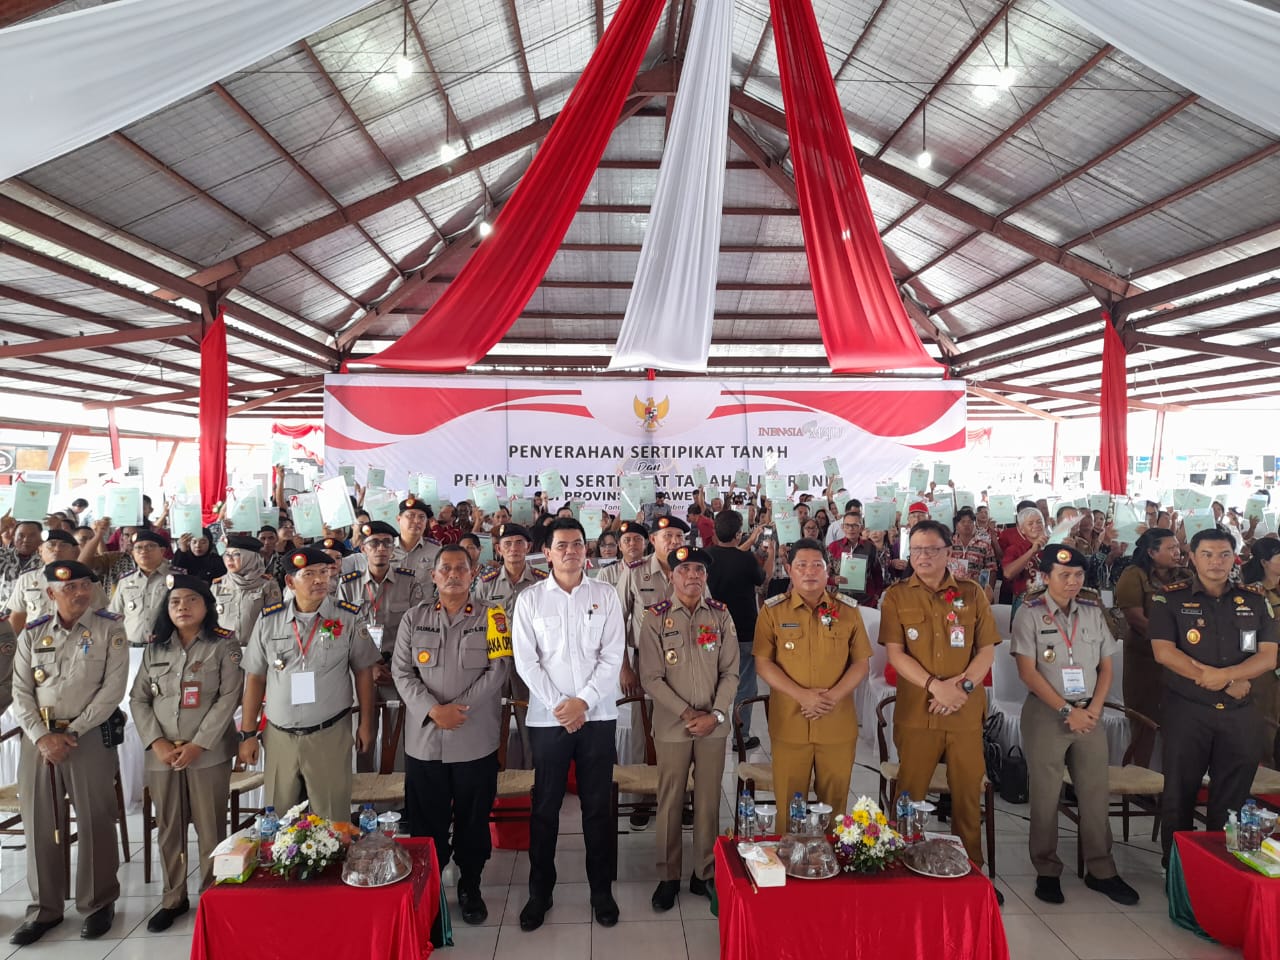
[811,648]
[69,675]
[689,667]
[140,595]
[1063,648]
[30,596]
[241,594]
[183,702]
[644,583]
[300,658]
[633,540]
[501,586]
[452,659]
[941,640]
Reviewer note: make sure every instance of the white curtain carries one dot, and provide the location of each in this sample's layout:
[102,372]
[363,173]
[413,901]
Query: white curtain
[668,321]
[1225,50]
[66,81]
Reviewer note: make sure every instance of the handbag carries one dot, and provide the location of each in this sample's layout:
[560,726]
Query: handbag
[1013,777]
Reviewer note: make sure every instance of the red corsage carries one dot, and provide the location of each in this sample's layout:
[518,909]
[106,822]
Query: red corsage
[332,627]
[827,614]
[707,635]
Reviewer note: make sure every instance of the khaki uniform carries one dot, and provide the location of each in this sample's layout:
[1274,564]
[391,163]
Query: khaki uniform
[498,589]
[189,696]
[1143,677]
[308,744]
[813,654]
[8,646]
[238,609]
[1266,694]
[918,618]
[1040,631]
[688,658]
[139,598]
[79,673]
[30,596]
[612,573]
[641,585]
[421,560]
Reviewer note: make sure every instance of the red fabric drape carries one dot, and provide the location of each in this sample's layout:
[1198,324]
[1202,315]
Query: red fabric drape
[295,433]
[1114,412]
[480,306]
[860,313]
[213,416]
[1232,903]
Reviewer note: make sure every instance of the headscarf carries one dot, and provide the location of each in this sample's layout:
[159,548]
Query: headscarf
[250,576]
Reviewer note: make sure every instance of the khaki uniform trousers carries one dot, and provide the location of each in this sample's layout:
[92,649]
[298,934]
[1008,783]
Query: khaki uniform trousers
[1049,747]
[87,776]
[919,752]
[312,765]
[828,766]
[371,762]
[1266,694]
[706,755]
[197,795]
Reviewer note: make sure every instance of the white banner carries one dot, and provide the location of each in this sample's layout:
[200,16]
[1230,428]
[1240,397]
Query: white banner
[471,430]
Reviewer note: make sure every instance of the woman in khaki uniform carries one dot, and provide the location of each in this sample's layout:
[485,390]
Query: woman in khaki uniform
[1264,570]
[182,701]
[1157,561]
[240,595]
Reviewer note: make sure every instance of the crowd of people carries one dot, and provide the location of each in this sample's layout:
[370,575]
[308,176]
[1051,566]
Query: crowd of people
[260,642]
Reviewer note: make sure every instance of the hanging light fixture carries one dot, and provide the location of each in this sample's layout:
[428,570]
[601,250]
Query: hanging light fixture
[1007,74]
[925,159]
[404,66]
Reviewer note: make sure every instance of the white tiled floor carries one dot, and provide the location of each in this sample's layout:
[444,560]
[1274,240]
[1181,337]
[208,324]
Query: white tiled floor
[1086,927]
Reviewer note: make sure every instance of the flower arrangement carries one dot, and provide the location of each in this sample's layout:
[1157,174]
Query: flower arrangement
[828,614]
[865,843]
[306,844]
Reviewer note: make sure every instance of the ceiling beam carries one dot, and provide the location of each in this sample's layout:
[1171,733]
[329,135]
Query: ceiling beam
[517,40]
[29,376]
[284,394]
[1048,393]
[233,389]
[1266,262]
[1014,404]
[1196,345]
[37,347]
[857,44]
[15,11]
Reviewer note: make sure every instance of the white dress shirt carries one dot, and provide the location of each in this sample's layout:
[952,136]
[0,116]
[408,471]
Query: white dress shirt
[569,644]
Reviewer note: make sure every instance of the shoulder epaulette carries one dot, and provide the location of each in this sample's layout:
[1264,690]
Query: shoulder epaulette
[1257,588]
[1176,585]
[271,608]
[181,571]
[431,540]
[716,605]
[108,615]
[659,608]
[1037,601]
[223,633]
[216,580]
[539,574]
[776,599]
[635,563]
[353,575]
[406,571]
[491,576]
[1089,597]
[349,607]
[847,600]
[39,622]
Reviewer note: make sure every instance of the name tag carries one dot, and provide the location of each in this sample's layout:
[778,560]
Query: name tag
[375,634]
[302,688]
[1248,641]
[190,694]
[1073,682]
[957,635]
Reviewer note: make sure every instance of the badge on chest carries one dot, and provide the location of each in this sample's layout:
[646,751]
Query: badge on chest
[190,694]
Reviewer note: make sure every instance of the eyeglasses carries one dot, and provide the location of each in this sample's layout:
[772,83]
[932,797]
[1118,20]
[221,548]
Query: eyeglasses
[566,546]
[382,543]
[927,551]
[231,555]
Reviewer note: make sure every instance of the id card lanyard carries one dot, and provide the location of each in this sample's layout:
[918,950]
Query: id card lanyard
[297,635]
[375,599]
[1069,640]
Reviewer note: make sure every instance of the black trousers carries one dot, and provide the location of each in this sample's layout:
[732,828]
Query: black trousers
[1199,738]
[458,795]
[592,750]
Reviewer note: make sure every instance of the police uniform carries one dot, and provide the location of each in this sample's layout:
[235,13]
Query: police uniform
[1208,730]
[451,776]
[1067,645]
[307,660]
[814,646]
[139,597]
[688,659]
[189,696]
[78,674]
[943,635]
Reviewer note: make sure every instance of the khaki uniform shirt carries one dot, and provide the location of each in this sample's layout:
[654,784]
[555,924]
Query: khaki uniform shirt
[421,560]
[79,671]
[189,696]
[274,651]
[612,573]
[30,596]
[8,646]
[918,618]
[688,658]
[238,609]
[382,606]
[1211,630]
[139,598]
[1041,629]
[497,588]
[813,654]
[641,585]
[463,659]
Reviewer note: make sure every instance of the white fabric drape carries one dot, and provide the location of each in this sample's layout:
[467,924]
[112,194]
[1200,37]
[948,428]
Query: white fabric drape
[67,80]
[1224,50]
[668,321]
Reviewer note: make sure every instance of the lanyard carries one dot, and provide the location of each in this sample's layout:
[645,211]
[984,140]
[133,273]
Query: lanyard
[375,599]
[1075,625]
[304,650]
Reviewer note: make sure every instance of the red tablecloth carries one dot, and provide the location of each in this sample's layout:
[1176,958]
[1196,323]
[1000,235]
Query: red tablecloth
[892,914]
[272,919]
[1235,905]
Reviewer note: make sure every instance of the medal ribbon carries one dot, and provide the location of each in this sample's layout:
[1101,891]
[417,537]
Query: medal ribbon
[297,635]
[1075,626]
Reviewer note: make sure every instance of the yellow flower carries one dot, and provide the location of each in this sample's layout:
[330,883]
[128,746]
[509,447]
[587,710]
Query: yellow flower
[869,841]
[860,817]
[880,819]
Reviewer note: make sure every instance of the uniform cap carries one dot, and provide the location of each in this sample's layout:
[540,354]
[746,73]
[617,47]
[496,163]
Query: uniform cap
[413,503]
[333,543]
[633,526]
[58,536]
[309,557]
[1061,555]
[150,536]
[242,541]
[688,555]
[665,523]
[64,571]
[376,528]
[513,530]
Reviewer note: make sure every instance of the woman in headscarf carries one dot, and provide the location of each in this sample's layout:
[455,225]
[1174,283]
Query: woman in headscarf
[240,595]
[1263,569]
[196,556]
[183,700]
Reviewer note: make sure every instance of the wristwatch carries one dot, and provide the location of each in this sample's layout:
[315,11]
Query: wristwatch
[719,717]
[966,685]
[248,735]
[1064,711]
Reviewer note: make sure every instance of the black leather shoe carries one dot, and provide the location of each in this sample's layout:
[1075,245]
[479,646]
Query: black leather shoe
[605,909]
[751,743]
[31,931]
[163,918]
[534,912]
[1113,887]
[474,911]
[639,821]
[98,922]
[699,888]
[664,898]
[1049,889]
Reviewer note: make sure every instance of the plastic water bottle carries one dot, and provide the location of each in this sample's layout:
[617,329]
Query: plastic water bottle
[1232,829]
[368,819]
[799,811]
[1249,812]
[749,824]
[743,799]
[902,814]
[270,823]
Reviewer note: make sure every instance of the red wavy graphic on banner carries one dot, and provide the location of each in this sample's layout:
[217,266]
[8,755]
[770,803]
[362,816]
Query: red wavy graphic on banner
[413,410]
[572,411]
[340,441]
[909,412]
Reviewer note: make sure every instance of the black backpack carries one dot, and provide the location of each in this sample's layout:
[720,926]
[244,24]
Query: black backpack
[991,747]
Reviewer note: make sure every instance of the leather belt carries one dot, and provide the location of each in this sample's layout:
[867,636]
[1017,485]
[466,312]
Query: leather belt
[303,731]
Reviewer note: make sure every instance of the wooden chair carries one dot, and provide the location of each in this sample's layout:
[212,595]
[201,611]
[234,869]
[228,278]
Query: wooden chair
[1134,791]
[751,776]
[386,787]
[937,784]
[10,805]
[513,785]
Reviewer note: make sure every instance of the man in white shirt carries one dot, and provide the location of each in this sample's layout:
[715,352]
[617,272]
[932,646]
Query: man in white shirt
[568,639]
